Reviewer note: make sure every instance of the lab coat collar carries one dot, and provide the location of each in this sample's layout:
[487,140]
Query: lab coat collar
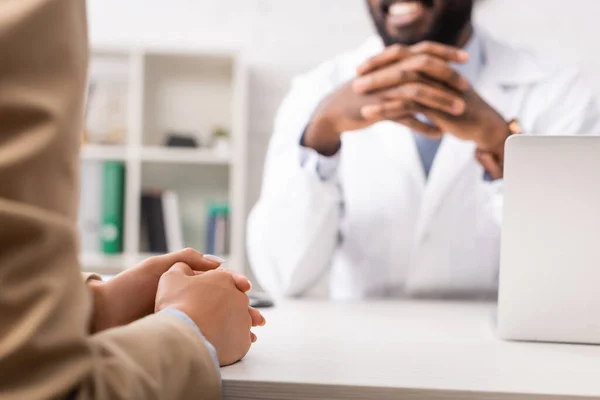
[509,66]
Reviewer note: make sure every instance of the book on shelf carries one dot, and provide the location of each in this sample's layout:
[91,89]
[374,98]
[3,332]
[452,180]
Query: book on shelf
[161,227]
[90,206]
[101,207]
[172,220]
[113,207]
[217,236]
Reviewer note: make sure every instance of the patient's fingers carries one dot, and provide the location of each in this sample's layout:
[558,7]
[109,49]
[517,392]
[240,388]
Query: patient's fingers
[257,318]
[241,282]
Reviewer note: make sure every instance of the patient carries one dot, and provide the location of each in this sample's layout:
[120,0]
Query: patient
[158,331]
[385,167]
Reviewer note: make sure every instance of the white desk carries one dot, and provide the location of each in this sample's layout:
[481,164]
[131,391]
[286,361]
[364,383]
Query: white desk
[403,350]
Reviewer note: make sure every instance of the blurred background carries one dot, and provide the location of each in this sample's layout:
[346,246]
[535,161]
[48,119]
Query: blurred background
[182,99]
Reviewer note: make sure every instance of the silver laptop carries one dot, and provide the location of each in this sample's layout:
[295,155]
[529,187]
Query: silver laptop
[550,257]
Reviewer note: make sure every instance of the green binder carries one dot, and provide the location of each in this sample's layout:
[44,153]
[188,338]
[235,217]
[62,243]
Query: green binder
[113,203]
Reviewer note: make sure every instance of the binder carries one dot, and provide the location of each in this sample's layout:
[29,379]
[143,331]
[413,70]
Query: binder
[113,201]
[90,211]
[172,221]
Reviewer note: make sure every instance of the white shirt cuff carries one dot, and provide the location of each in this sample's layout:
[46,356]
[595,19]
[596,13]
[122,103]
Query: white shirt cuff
[325,167]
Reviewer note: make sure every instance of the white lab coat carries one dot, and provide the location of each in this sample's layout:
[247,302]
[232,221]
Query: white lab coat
[379,227]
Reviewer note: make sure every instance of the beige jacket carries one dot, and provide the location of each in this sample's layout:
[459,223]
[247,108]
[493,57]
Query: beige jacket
[46,350]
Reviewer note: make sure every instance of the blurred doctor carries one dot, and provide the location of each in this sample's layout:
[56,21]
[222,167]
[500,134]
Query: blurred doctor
[385,167]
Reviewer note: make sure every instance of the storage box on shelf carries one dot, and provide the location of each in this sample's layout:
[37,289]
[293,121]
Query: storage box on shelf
[186,92]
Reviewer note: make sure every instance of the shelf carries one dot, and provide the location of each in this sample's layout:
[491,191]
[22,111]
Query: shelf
[107,264]
[93,152]
[192,91]
[111,265]
[156,154]
[184,156]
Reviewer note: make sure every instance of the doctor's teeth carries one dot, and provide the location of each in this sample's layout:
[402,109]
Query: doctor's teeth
[404,8]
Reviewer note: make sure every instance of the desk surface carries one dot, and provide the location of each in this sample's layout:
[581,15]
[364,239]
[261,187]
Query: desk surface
[408,350]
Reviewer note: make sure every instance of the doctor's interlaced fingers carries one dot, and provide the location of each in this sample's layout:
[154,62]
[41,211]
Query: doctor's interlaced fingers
[384,172]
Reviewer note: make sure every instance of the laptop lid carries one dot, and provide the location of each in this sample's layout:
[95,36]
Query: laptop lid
[550,252]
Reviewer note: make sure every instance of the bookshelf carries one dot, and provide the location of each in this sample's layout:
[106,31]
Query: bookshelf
[194,92]
[184,156]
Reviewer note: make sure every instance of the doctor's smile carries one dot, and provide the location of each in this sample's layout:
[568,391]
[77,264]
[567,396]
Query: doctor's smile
[402,13]
[412,21]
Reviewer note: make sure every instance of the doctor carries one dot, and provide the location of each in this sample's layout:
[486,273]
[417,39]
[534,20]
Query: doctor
[385,168]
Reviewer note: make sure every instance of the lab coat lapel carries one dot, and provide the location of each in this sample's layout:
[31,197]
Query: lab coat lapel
[502,71]
[452,158]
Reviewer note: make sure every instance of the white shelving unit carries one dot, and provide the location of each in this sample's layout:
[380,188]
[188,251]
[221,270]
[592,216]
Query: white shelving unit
[193,91]
[184,156]
[92,152]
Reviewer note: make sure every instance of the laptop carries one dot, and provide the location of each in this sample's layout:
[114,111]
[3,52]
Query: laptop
[550,252]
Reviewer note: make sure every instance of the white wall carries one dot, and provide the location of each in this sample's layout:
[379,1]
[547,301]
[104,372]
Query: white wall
[566,30]
[285,37]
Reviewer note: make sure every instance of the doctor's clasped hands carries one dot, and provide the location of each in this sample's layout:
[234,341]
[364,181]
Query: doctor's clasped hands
[413,85]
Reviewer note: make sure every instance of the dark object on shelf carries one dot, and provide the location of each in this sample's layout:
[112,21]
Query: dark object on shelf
[153,220]
[181,140]
[257,302]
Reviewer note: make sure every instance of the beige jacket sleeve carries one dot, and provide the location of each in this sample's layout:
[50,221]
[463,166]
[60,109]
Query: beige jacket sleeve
[46,351]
